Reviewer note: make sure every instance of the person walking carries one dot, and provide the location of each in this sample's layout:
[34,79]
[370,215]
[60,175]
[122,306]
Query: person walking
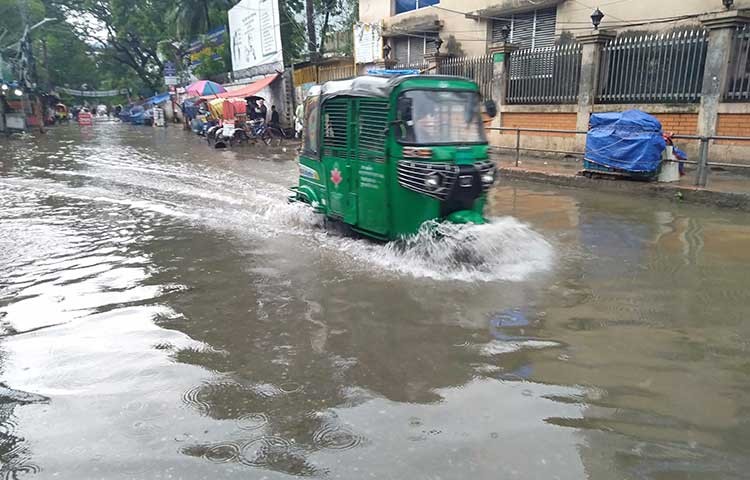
[299,115]
[263,110]
[275,119]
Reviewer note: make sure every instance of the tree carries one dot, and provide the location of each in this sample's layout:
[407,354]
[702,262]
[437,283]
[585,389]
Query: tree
[324,16]
[292,31]
[127,31]
[312,48]
[196,17]
[64,59]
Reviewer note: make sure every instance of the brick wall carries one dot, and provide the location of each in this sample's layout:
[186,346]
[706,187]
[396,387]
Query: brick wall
[552,121]
[733,125]
[678,123]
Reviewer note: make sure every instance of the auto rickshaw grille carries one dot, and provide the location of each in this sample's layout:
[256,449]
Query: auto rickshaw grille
[413,176]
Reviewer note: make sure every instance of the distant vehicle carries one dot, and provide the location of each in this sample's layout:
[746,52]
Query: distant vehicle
[385,154]
[137,115]
[61,113]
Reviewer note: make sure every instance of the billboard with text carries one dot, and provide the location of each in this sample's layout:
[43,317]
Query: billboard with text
[254,34]
[368,43]
[210,44]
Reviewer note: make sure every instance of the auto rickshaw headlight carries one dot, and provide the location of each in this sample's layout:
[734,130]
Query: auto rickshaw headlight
[433,181]
[488,177]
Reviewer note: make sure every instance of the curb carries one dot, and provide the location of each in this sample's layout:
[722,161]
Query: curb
[701,196]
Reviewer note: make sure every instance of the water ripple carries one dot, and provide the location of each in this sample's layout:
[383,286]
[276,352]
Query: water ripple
[336,437]
[262,451]
[252,421]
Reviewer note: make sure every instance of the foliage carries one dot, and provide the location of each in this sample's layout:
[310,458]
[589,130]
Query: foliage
[293,35]
[127,31]
[107,44]
[334,16]
[14,14]
[64,59]
[327,16]
[197,17]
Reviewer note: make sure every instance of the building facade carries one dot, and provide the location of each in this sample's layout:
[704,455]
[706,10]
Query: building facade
[470,27]
[685,61]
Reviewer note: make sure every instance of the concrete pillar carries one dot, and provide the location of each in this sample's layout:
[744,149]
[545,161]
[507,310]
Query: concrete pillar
[433,62]
[721,27]
[501,58]
[588,84]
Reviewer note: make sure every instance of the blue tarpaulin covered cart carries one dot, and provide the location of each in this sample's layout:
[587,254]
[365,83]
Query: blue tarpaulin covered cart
[626,143]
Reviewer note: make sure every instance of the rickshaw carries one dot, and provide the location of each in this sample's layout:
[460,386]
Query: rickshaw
[386,154]
[231,113]
[61,113]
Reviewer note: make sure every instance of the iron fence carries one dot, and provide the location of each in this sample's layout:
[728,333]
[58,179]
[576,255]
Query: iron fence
[545,75]
[421,66]
[738,81]
[653,68]
[702,165]
[479,69]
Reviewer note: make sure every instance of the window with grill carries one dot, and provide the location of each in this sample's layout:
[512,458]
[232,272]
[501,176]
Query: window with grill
[409,5]
[335,125]
[311,137]
[535,29]
[373,125]
[411,49]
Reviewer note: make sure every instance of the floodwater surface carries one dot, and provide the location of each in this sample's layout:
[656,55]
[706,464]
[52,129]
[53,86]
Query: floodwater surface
[166,313]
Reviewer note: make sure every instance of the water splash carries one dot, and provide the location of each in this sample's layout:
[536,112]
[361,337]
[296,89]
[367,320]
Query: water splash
[503,249]
[253,202]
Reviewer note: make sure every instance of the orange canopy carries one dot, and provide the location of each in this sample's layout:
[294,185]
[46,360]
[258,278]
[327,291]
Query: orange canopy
[229,110]
[247,90]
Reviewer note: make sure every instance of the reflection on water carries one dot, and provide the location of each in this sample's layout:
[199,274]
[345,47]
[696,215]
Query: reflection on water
[165,313]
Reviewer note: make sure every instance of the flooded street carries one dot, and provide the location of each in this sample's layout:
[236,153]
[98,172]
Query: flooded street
[165,313]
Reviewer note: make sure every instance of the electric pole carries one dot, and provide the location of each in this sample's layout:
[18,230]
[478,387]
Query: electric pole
[312,44]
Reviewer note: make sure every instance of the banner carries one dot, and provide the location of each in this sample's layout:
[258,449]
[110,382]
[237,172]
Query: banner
[368,43]
[92,93]
[211,45]
[255,34]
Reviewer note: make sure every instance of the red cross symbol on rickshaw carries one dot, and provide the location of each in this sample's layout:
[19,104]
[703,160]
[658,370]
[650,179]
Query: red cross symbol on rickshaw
[336,177]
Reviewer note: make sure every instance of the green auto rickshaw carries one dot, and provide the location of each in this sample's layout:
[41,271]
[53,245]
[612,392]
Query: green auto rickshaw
[384,154]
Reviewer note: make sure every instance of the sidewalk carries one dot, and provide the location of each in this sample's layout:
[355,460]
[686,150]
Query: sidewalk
[726,188]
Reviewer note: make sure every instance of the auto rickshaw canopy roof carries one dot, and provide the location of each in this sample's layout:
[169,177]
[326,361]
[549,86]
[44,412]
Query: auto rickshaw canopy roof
[383,86]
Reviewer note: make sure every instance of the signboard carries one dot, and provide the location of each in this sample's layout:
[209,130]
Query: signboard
[85,119]
[170,80]
[211,44]
[15,121]
[170,70]
[254,34]
[368,43]
[93,93]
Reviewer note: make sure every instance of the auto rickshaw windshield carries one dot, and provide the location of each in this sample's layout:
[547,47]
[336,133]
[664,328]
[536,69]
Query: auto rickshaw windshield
[439,117]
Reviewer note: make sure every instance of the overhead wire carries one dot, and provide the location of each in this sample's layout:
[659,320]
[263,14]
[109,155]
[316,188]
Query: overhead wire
[619,22]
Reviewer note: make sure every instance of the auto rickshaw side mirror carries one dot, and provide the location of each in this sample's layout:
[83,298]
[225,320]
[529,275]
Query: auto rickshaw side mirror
[491,108]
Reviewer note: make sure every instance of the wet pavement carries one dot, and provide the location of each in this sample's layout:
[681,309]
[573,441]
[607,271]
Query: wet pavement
[165,313]
[734,180]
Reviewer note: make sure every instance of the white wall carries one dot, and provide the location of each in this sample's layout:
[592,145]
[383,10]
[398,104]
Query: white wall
[573,16]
